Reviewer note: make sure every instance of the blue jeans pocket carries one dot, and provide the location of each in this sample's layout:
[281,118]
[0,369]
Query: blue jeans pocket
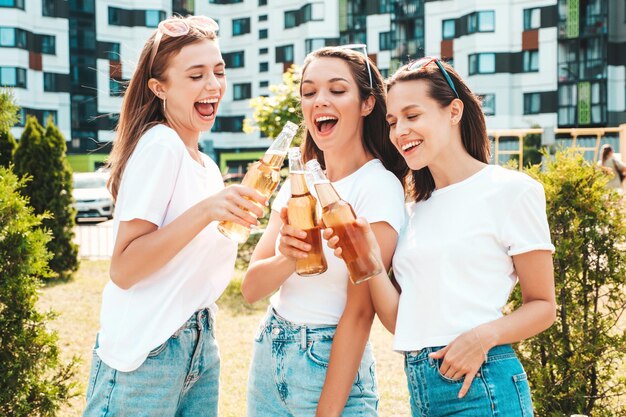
[523,392]
[159,349]
[319,352]
[445,378]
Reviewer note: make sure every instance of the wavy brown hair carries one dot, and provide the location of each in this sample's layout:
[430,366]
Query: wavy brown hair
[375,137]
[141,109]
[420,184]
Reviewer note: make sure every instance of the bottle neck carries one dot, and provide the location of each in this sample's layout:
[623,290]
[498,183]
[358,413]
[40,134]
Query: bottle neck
[298,183]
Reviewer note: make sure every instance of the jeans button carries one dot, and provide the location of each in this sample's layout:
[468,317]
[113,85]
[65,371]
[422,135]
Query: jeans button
[413,354]
[275,331]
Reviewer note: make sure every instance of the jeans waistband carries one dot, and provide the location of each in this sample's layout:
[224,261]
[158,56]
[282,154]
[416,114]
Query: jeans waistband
[279,328]
[199,319]
[495,353]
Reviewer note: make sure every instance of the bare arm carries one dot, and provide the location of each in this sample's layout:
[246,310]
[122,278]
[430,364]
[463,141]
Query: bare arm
[352,333]
[465,355]
[269,269]
[141,248]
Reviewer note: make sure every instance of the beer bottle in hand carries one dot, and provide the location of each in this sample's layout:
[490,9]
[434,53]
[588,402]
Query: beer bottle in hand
[338,214]
[263,176]
[303,214]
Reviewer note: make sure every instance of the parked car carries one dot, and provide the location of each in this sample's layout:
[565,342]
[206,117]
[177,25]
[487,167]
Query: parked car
[91,196]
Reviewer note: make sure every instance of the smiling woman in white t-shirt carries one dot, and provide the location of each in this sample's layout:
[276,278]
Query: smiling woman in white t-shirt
[474,231]
[155,353]
[311,354]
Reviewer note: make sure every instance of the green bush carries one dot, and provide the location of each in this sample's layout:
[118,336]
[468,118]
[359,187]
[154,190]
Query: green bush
[573,366]
[32,381]
[41,155]
[7,147]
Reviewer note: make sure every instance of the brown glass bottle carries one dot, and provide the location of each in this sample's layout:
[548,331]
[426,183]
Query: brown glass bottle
[263,176]
[303,214]
[338,214]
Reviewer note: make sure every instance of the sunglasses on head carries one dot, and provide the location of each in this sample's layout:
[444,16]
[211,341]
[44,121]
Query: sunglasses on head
[423,62]
[367,61]
[176,27]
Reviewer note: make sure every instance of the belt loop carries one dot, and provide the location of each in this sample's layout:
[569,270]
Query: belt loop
[199,315]
[431,361]
[303,337]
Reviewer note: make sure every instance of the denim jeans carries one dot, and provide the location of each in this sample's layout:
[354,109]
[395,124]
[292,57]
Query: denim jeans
[499,389]
[179,378]
[288,370]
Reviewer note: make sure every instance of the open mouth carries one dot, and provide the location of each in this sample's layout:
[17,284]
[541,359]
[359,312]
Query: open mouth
[325,124]
[409,146]
[206,108]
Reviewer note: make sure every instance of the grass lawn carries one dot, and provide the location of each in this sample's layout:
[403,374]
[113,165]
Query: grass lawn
[78,306]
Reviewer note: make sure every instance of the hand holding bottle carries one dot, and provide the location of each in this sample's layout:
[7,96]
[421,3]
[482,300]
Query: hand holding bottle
[364,227]
[237,204]
[291,243]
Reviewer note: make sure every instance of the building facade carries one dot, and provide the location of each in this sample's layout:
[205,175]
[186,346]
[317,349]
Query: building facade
[548,63]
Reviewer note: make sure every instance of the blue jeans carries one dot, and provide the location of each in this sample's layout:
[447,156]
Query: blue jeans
[288,370]
[499,389]
[179,378]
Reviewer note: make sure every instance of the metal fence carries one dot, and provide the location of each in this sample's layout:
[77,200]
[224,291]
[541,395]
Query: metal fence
[95,241]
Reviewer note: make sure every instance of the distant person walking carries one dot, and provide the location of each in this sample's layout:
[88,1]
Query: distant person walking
[155,353]
[613,166]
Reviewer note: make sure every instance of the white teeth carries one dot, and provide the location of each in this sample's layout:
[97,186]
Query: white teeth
[208,101]
[324,118]
[411,144]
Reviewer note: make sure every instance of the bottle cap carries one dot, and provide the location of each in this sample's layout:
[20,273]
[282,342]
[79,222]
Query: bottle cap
[294,153]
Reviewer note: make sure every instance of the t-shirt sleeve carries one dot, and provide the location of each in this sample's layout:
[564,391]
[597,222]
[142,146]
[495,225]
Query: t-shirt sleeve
[382,200]
[282,196]
[148,183]
[620,165]
[526,227]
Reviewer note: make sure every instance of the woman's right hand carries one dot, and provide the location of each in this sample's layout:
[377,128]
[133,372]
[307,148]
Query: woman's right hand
[236,203]
[291,243]
[364,226]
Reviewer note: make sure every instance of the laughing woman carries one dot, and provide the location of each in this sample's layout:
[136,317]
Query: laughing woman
[155,353]
[474,231]
[312,355]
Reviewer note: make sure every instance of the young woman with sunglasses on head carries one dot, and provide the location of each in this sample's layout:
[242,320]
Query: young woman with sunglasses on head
[311,354]
[474,230]
[155,353]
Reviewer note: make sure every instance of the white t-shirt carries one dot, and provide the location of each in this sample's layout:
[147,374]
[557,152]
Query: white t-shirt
[453,259]
[160,182]
[375,194]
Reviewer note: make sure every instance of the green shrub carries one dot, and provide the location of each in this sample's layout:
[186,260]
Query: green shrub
[32,381]
[7,147]
[41,155]
[573,366]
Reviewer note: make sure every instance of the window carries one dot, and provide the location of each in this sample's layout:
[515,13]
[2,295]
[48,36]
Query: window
[482,63]
[263,67]
[312,12]
[262,2]
[153,17]
[263,51]
[18,4]
[263,18]
[481,22]
[12,37]
[262,33]
[12,77]
[384,72]
[489,104]
[311,45]
[384,41]
[263,84]
[45,114]
[242,91]
[228,124]
[531,61]
[48,8]
[284,53]
[115,16]
[116,88]
[532,103]
[49,81]
[114,52]
[448,29]
[234,59]
[291,18]
[532,18]
[241,26]
[48,44]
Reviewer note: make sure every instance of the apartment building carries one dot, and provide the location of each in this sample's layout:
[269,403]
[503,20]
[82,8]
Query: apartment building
[548,63]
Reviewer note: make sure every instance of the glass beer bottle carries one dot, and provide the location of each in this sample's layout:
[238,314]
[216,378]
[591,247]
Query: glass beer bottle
[302,213]
[263,176]
[338,214]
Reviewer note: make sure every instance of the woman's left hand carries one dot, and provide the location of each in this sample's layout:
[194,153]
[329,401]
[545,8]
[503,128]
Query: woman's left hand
[463,357]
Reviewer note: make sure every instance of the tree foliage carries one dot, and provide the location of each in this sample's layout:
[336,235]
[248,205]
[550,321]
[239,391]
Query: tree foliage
[32,381]
[41,155]
[8,110]
[7,147]
[283,105]
[574,366]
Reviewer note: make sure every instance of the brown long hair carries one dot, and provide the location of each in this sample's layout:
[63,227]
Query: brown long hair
[420,184]
[606,151]
[375,137]
[141,109]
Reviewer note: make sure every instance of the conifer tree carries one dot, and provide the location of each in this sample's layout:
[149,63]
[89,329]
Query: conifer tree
[7,147]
